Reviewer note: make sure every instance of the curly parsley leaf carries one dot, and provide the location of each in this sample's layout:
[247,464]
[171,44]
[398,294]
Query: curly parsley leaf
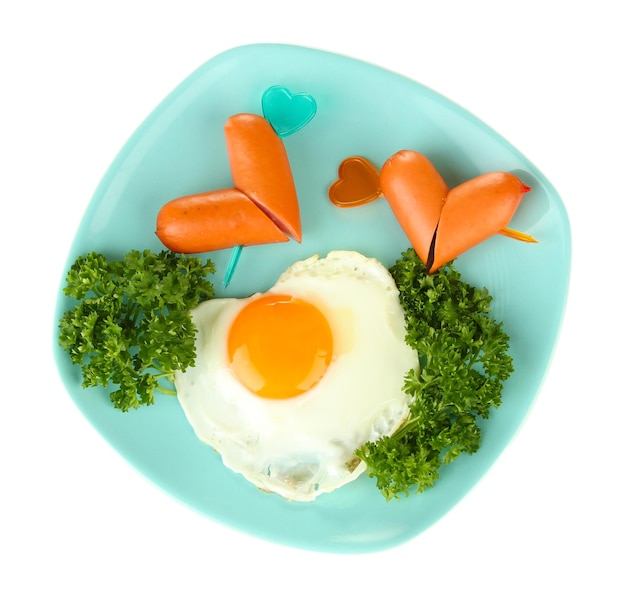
[463,362]
[131,328]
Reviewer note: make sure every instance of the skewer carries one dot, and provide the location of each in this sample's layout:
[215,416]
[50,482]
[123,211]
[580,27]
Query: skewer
[275,100]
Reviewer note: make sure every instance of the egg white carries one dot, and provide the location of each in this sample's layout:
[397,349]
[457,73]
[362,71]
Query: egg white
[304,446]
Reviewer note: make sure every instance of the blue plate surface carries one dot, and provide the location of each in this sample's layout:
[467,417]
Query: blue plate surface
[361,110]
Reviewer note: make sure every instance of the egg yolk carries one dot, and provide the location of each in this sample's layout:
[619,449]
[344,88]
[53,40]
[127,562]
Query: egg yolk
[280,346]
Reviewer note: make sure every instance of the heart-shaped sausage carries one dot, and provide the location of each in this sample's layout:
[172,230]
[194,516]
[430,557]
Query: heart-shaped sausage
[441,223]
[262,207]
[287,112]
[358,183]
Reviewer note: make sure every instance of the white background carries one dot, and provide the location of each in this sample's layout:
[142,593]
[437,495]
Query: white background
[78,77]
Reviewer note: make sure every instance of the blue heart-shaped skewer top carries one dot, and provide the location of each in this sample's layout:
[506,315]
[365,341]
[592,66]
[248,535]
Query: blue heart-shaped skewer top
[287,112]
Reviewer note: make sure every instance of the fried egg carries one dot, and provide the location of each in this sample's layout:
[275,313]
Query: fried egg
[289,383]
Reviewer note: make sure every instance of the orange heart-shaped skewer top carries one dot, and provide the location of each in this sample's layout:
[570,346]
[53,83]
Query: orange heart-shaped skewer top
[357,183]
[440,223]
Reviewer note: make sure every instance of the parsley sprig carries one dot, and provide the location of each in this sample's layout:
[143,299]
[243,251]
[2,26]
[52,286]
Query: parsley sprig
[463,362]
[131,328]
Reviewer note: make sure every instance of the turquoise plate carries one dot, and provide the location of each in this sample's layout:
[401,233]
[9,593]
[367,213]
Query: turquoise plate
[361,110]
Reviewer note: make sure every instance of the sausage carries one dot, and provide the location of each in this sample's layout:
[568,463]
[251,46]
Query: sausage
[214,220]
[260,169]
[416,193]
[474,211]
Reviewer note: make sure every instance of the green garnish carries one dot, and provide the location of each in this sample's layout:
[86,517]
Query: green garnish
[463,364]
[131,327]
